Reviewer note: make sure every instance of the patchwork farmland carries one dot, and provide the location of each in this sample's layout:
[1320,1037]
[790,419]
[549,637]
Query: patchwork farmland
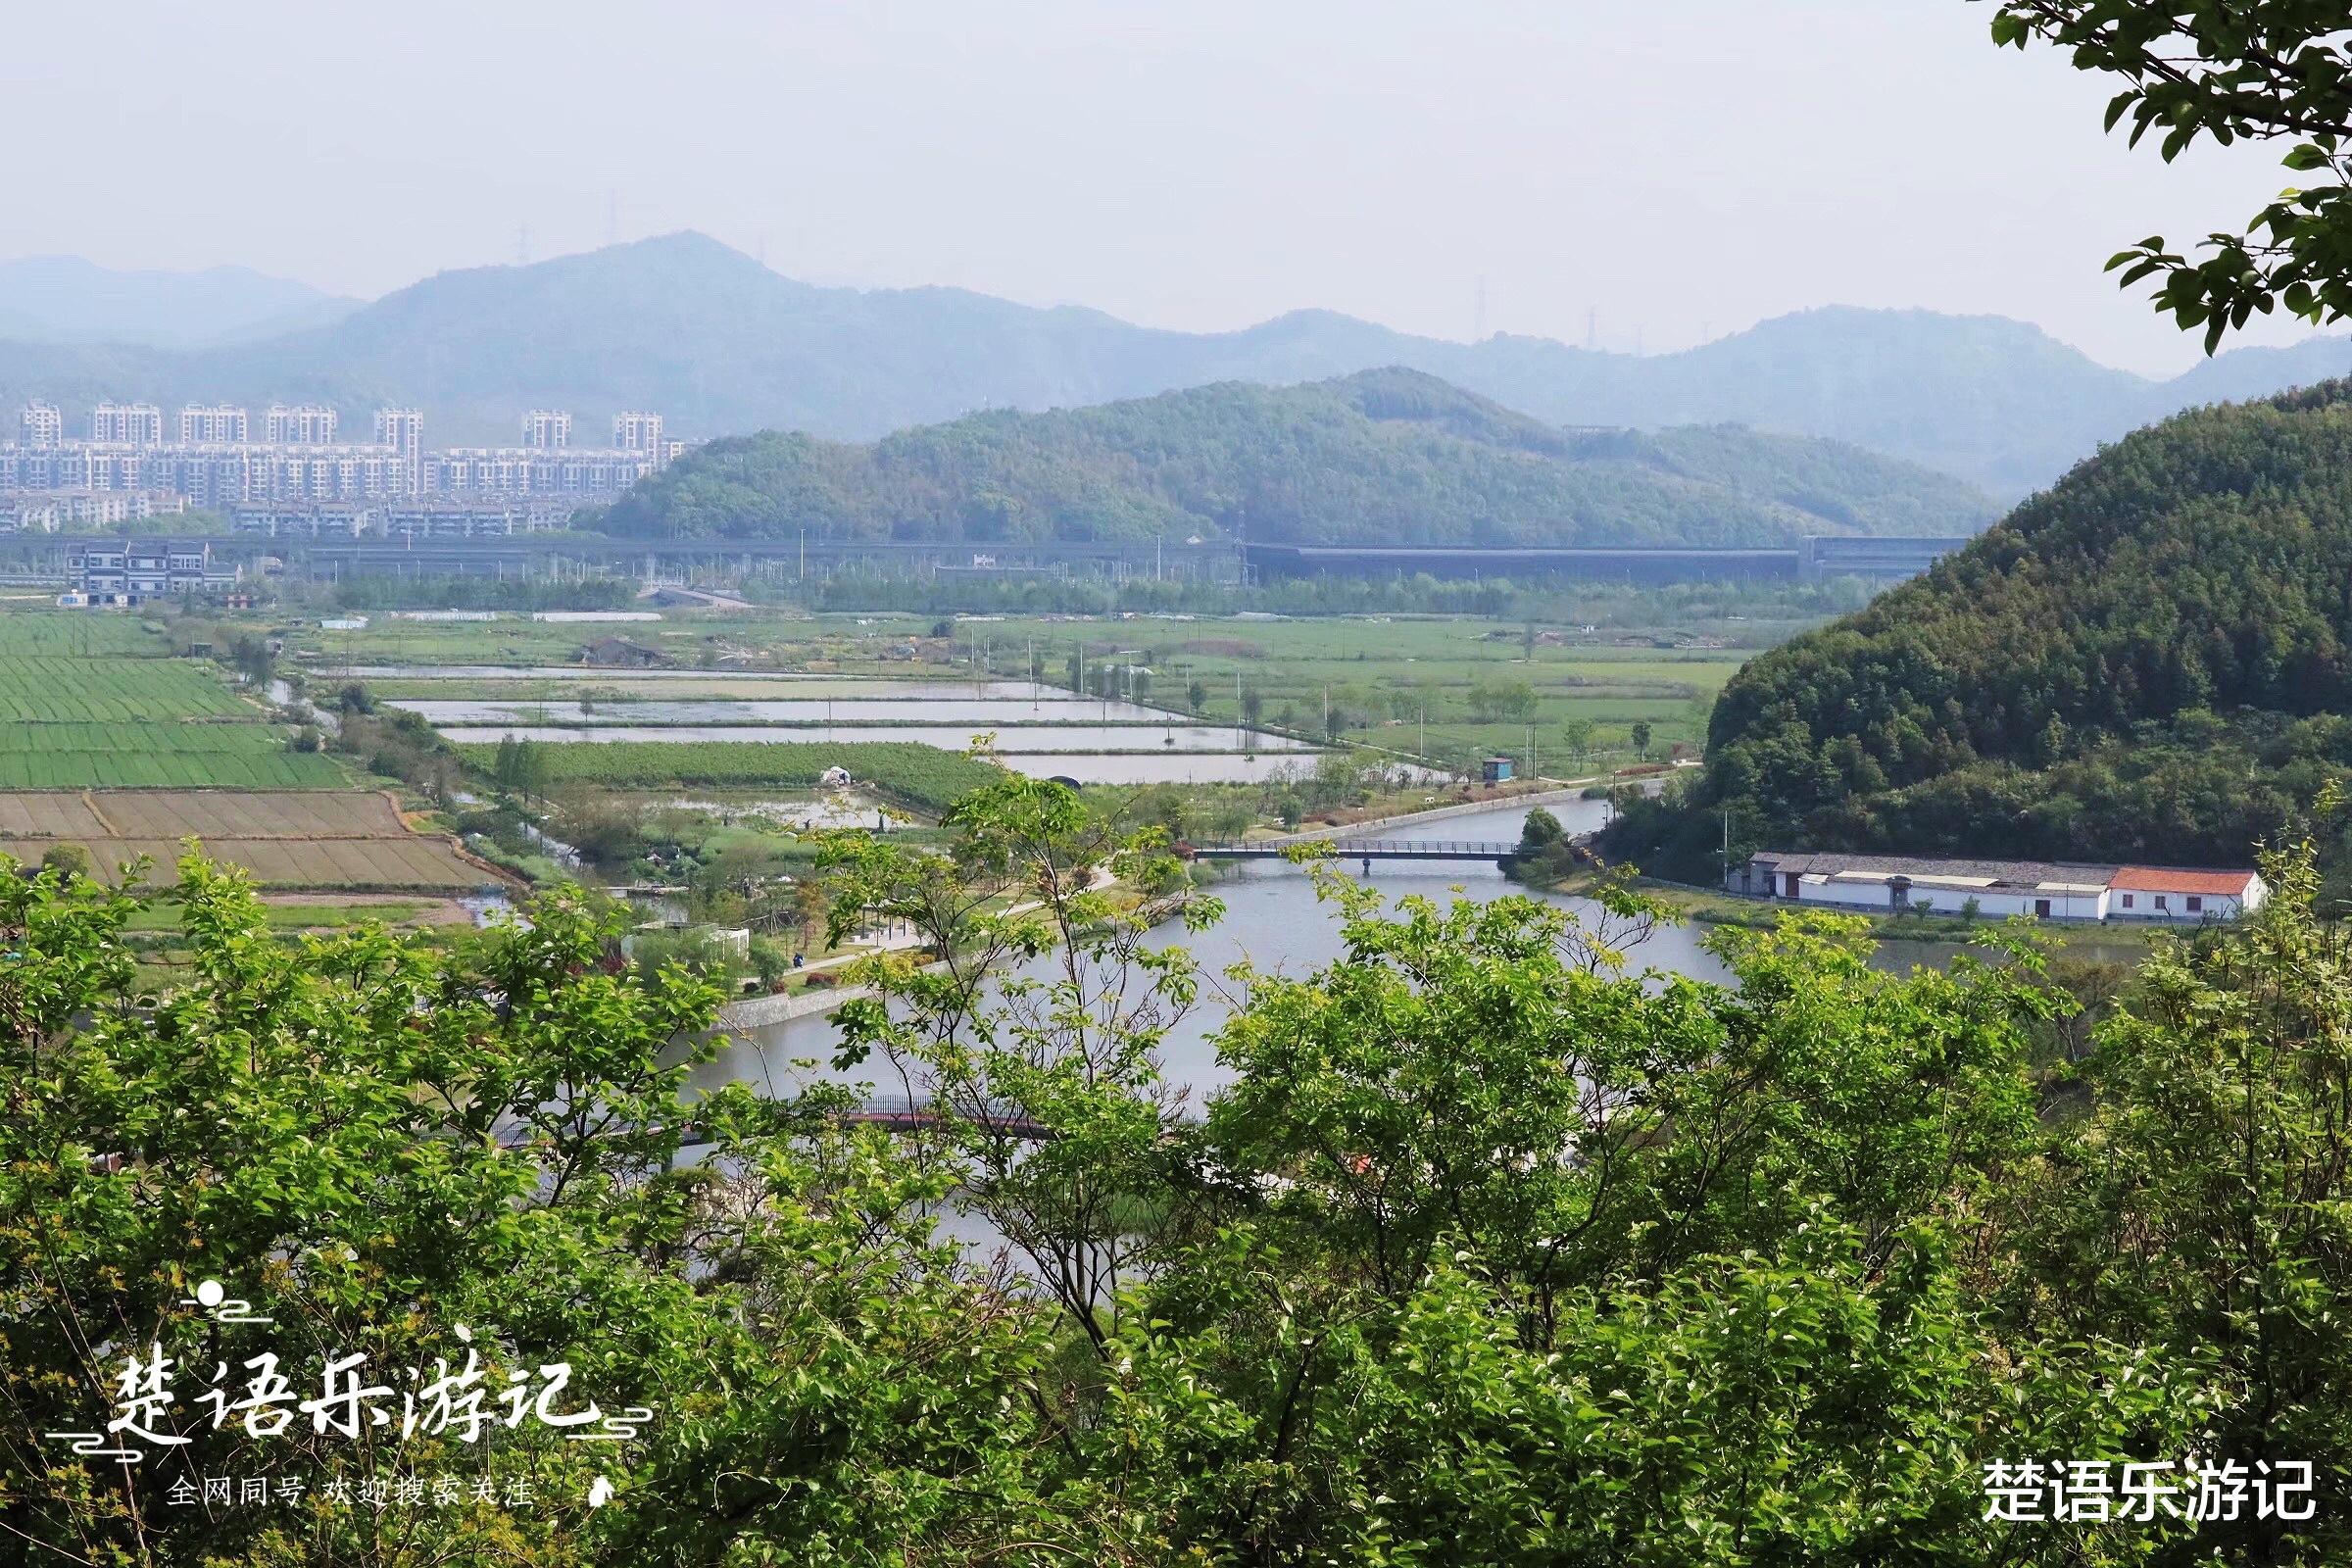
[110,743]
[286,839]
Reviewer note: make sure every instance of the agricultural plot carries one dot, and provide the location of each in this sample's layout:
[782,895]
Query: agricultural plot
[77,635]
[286,840]
[42,688]
[921,776]
[129,755]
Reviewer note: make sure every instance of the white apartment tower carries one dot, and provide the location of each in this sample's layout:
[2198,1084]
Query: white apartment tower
[42,424]
[306,424]
[637,431]
[137,425]
[401,430]
[222,425]
[546,429]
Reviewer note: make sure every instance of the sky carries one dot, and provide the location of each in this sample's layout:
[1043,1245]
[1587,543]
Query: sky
[1666,170]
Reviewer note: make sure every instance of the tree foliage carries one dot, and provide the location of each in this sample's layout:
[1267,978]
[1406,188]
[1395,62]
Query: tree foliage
[1494,1249]
[1384,457]
[2148,663]
[2257,71]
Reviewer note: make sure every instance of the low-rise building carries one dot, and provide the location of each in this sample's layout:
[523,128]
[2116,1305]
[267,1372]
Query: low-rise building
[133,571]
[309,519]
[473,516]
[2170,893]
[1996,889]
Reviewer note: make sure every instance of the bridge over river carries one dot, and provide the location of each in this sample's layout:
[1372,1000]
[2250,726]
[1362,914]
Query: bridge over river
[1367,851]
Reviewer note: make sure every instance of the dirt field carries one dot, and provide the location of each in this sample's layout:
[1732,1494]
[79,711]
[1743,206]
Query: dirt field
[285,838]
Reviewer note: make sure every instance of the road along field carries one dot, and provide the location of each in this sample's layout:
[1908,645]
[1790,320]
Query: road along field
[286,839]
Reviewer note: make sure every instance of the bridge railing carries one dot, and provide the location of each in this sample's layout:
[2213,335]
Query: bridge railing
[1348,848]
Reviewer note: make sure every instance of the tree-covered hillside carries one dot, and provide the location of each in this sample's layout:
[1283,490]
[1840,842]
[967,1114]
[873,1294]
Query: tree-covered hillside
[1385,456]
[2149,662]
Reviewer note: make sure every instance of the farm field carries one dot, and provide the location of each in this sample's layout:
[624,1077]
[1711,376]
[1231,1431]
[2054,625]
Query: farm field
[1472,685]
[1446,688]
[127,755]
[96,701]
[52,632]
[51,690]
[921,776]
[301,839]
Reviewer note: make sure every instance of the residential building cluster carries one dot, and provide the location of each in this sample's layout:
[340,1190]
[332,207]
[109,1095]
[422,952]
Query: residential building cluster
[302,477]
[1998,889]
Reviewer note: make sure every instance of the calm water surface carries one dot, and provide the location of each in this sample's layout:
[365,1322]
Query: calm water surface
[1273,919]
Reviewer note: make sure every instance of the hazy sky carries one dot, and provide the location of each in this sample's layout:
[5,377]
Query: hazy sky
[1681,166]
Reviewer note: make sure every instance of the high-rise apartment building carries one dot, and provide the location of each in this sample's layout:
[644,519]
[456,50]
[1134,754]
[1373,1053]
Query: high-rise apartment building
[637,431]
[221,424]
[401,430]
[138,425]
[42,424]
[306,424]
[545,430]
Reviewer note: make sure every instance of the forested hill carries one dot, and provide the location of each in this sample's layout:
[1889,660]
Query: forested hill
[2148,662]
[1384,457]
[723,346]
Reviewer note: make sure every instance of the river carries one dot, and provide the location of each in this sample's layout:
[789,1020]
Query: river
[1272,917]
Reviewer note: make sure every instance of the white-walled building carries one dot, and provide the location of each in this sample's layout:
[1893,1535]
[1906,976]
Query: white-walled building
[41,425]
[635,431]
[301,424]
[216,425]
[134,424]
[1998,889]
[401,430]
[546,429]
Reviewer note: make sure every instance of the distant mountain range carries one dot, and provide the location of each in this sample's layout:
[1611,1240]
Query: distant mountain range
[64,299]
[1381,458]
[722,345]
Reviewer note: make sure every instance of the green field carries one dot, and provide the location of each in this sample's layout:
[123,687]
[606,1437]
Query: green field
[1408,684]
[921,776]
[136,756]
[67,690]
[1417,685]
[92,700]
[78,634]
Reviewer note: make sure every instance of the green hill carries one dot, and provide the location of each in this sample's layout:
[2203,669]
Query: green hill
[1385,456]
[2152,661]
[722,345]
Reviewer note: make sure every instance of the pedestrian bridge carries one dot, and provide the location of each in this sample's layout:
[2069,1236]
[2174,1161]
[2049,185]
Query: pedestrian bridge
[1491,850]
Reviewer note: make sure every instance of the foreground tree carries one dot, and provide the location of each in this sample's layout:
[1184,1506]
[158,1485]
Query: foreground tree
[2249,69]
[1493,1251]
